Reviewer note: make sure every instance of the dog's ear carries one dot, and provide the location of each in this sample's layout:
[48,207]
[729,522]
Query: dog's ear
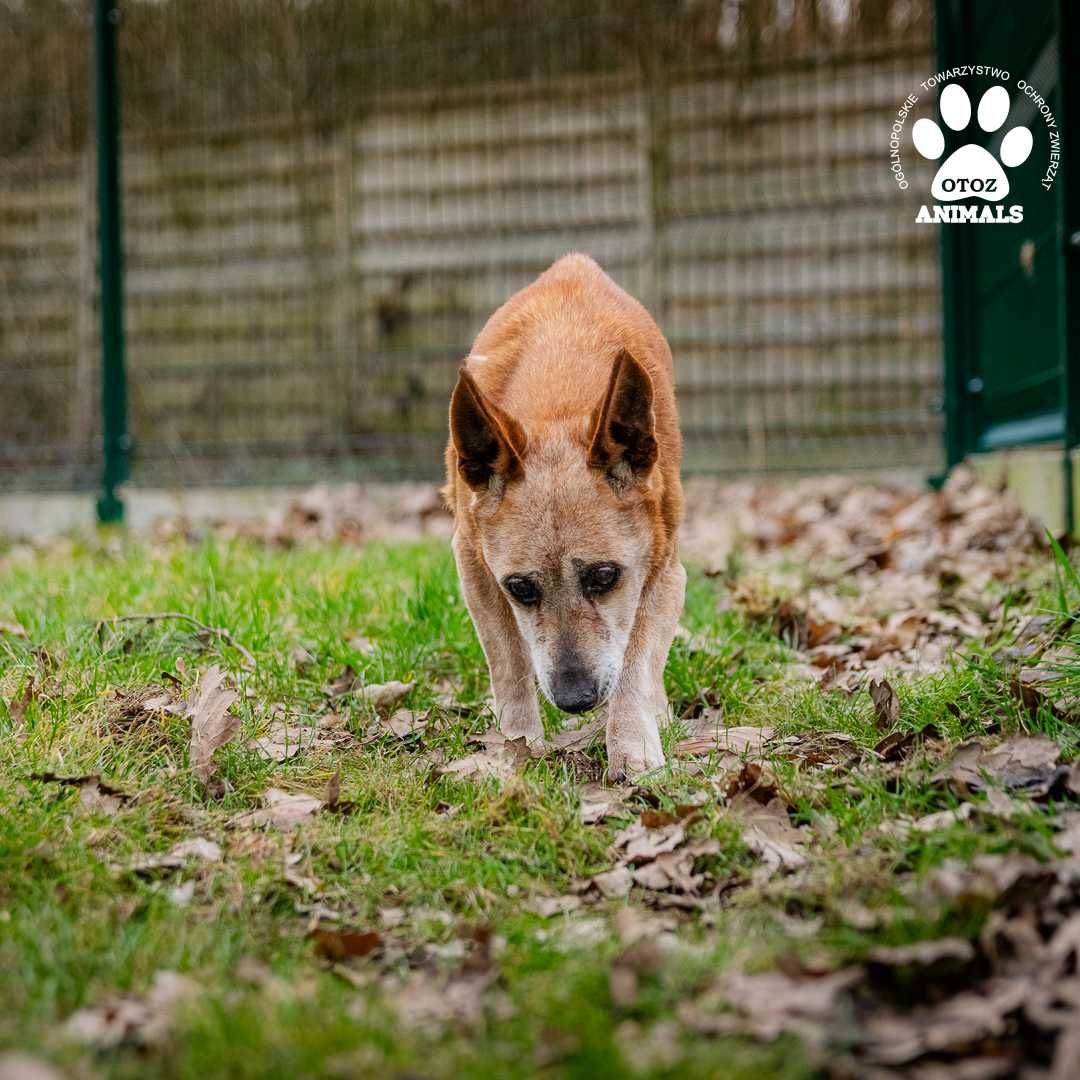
[489,444]
[623,433]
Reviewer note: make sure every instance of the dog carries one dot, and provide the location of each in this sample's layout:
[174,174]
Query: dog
[563,478]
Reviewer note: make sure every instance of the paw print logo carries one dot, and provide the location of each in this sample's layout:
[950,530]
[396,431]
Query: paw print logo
[972,170]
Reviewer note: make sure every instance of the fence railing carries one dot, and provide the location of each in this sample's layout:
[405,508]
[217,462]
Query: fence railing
[301,292]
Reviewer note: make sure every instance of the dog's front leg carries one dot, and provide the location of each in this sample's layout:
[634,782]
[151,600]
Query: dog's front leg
[639,702]
[513,683]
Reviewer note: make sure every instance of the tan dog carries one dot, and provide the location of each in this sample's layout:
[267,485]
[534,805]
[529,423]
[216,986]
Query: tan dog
[563,476]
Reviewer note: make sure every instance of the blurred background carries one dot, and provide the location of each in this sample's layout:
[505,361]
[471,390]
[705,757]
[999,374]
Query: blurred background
[323,200]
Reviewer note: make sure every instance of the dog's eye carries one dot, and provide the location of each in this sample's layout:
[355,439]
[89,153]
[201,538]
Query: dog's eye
[600,579]
[522,589]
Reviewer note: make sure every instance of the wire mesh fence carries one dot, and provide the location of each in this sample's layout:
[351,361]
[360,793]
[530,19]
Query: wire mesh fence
[324,200]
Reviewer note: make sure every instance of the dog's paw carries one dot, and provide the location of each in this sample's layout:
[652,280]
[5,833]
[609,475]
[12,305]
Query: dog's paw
[520,719]
[629,758]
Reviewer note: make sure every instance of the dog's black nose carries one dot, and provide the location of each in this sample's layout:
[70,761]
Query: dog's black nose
[574,690]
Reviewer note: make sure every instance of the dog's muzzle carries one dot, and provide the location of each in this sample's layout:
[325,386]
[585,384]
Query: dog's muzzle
[574,690]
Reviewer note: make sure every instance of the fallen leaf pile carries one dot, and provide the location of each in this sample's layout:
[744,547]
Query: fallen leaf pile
[350,513]
[983,1008]
[665,858]
[286,736]
[1039,665]
[430,985]
[963,527]
[1024,764]
[915,565]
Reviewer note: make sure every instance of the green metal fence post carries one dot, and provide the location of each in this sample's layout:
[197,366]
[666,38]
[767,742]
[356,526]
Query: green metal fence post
[949,17]
[1069,216]
[116,441]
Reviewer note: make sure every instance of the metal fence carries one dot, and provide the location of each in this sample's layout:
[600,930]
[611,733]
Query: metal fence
[323,201]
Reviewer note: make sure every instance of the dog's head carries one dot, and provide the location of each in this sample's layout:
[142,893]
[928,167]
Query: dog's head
[565,525]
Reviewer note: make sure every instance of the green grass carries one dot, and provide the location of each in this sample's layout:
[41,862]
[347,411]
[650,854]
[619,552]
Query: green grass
[75,926]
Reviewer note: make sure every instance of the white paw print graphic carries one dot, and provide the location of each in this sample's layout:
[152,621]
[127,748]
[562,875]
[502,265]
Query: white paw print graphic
[971,170]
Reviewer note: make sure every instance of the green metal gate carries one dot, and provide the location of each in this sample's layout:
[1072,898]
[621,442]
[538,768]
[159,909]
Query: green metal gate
[1010,291]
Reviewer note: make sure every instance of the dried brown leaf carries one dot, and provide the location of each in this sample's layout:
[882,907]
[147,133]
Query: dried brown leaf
[768,1004]
[613,884]
[547,906]
[164,701]
[768,832]
[736,740]
[599,802]
[577,738]
[899,744]
[332,794]
[153,865]
[886,703]
[1000,805]
[923,953]
[342,684]
[891,1037]
[657,819]
[503,760]
[751,780]
[212,723]
[391,917]
[198,847]
[1068,839]
[943,819]
[301,659]
[384,695]
[673,870]
[96,796]
[637,843]
[17,706]
[17,1066]
[632,924]
[333,944]
[94,800]
[284,811]
[284,739]
[361,643]
[404,722]
[431,1005]
[129,1020]
[644,957]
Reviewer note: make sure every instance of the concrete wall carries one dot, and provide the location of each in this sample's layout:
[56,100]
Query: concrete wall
[1036,477]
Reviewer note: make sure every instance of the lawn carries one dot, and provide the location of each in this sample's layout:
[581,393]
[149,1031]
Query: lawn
[813,886]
